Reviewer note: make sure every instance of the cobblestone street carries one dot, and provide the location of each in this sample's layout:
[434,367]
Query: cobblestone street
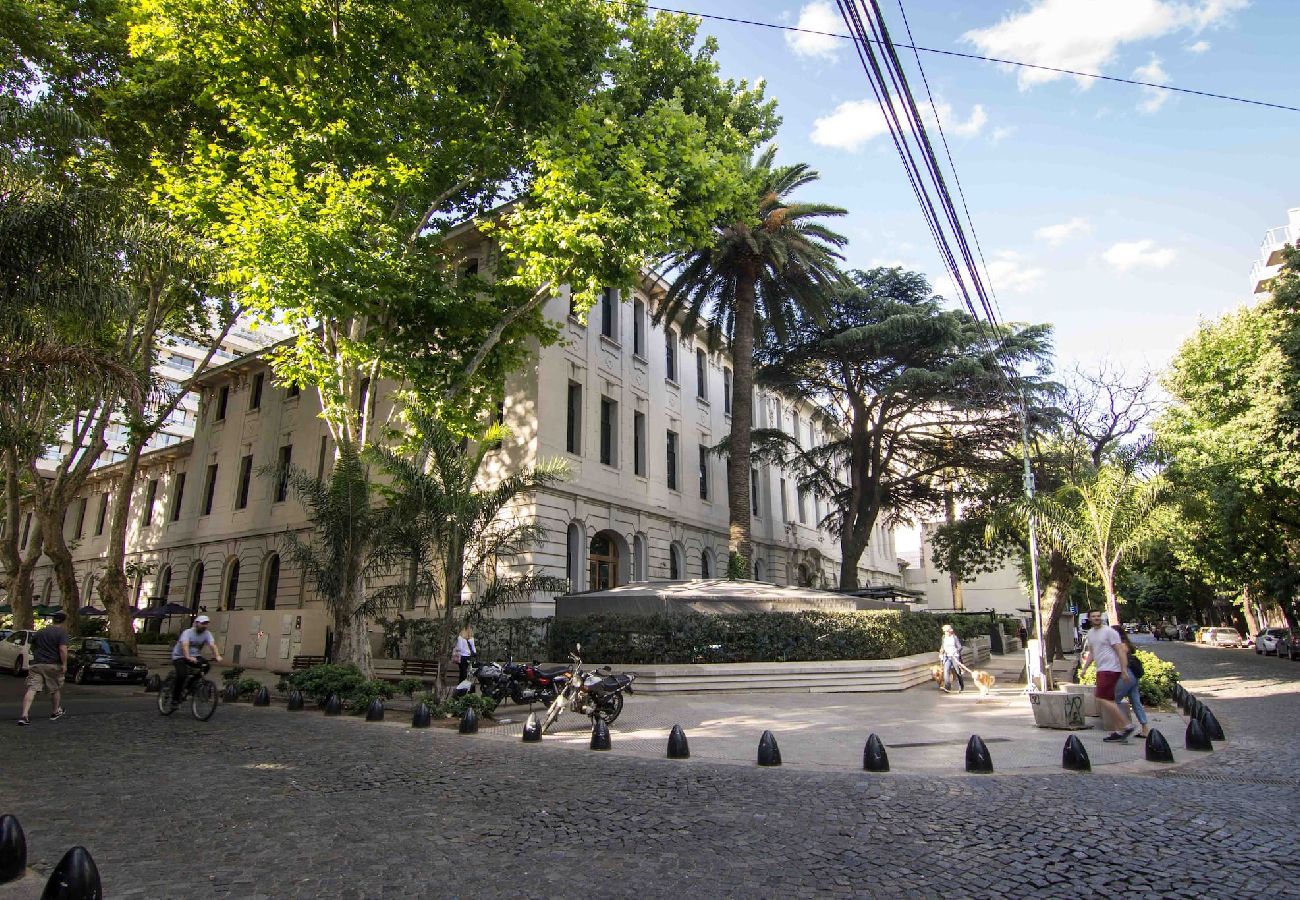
[264,803]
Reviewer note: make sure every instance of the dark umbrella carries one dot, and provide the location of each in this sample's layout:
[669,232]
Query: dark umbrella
[153,612]
[43,610]
[6,610]
[91,610]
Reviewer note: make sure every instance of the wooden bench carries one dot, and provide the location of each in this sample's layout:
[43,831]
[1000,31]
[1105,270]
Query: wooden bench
[425,670]
[307,662]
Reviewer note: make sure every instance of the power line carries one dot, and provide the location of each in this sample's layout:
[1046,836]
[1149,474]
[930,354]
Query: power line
[975,56]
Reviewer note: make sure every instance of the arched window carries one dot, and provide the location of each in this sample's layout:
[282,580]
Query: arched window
[760,570]
[88,592]
[196,587]
[271,581]
[603,561]
[47,592]
[804,576]
[231,593]
[676,562]
[638,558]
[573,557]
[164,588]
[706,564]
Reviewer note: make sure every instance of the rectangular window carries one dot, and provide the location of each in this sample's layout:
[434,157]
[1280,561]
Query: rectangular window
[753,490]
[573,305]
[726,391]
[177,495]
[704,471]
[255,393]
[150,495]
[803,506]
[638,443]
[282,473]
[670,354]
[672,460]
[608,432]
[794,431]
[701,375]
[81,518]
[223,397]
[245,479]
[609,314]
[293,390]
[101,515]
[638,328]
[324,456]
[209,488]
[27,527]
[785,502]
[573,431]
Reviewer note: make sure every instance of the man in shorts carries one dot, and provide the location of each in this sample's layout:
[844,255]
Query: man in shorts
[49,663]
[1107,650]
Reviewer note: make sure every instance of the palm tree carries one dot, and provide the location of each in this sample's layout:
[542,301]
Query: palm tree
[768,265]
[1098,520]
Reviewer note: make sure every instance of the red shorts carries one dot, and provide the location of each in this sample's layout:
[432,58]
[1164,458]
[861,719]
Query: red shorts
[1106,682]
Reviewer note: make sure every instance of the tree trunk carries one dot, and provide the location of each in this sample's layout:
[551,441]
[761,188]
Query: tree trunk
[351,635]
[113,587]
[1248,610]
[739,507]
[852,545]
[1052,601]
[954,582]
[1112,601]
[19,587]
[65,575]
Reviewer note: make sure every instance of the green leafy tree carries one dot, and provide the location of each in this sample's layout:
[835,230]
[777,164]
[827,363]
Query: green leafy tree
[765,266]
[912,394]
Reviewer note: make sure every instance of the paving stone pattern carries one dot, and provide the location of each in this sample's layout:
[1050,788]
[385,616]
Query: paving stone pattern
[266,803]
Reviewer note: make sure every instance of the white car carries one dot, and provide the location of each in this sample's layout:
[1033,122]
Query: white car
[1266,640]
[16,652]
[1223,637]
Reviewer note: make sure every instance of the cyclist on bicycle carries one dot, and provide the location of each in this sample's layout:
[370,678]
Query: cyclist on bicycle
[188,652]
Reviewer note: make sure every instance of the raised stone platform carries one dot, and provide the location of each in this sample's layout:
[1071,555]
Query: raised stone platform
[857,676]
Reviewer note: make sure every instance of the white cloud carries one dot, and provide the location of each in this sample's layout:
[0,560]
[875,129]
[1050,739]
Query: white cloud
[1002,133]
[1128,255]
[855,123]
[1085,37]
[1198,47]
[816,16]
[1154,98]
[1056,235]
[1010,273]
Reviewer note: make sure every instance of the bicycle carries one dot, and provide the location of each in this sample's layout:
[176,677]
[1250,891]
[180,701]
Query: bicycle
[200,691]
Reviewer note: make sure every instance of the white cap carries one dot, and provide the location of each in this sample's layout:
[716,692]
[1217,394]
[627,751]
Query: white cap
[202,620]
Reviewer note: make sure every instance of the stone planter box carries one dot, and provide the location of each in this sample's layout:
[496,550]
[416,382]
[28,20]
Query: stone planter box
[1058,709]
[840,676]
[1089,698]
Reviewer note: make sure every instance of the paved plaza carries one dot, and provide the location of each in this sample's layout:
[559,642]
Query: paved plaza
[264,803]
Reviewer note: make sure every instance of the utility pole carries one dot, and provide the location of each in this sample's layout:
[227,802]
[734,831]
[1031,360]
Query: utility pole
[1042,663]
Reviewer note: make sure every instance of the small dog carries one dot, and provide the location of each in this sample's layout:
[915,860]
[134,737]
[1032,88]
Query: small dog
[984,681]
[936,673]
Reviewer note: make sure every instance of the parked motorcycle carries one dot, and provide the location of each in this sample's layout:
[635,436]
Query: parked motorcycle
[490,678]
[531,683]
[597,695]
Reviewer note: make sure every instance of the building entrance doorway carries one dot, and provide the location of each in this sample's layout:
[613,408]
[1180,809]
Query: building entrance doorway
[602,562]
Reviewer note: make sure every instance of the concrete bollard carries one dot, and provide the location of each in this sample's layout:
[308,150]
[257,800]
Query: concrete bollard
[295,703]
[1213,730]
[262,697]
[1196,738]
[978,758]
[152,684]
[468,721]
[600,735]
[532,729]
[229,694]
[769,754]
[1158,749]
[1075,756]
[874,757]
[678,748]
[333,705]
[375,711]
[74,878]
[421,717]
[1197,710]
[13,849]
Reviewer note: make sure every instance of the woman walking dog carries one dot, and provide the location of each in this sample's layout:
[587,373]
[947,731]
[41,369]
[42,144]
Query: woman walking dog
[950,659]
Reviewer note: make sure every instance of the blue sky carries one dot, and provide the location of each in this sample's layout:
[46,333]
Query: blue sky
[1118,214]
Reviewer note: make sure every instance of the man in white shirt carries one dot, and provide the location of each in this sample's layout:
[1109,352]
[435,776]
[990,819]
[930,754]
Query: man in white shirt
[1107,650]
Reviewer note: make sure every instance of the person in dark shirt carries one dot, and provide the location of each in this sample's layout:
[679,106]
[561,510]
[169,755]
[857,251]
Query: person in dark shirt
[49,663]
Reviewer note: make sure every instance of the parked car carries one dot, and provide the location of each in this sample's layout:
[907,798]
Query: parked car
[1266,640]
[1222,637]
[1201,634]
[15,652]
[98,659]
[1288,645]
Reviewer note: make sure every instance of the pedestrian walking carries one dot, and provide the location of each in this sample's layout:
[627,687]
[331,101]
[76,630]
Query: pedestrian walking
[465,651]
[48,666]
[1105,648]
[1128,687]
[950,659]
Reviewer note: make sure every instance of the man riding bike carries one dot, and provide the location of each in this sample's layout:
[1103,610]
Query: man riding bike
[188,652]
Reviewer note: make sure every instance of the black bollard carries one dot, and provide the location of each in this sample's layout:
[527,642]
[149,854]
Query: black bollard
[262,697]
[874,757]
[1197,710]
[469,721]
[152,684]
[295,701]
[532,729]
[229,693]
[678,748]
[600,735]
[1075,756]
[333,705]
[375,711]
[1196,738]
[769,754]
[1158,749]
[74,878]
[1213,730]
[977,755]
[421,718]
[13,849]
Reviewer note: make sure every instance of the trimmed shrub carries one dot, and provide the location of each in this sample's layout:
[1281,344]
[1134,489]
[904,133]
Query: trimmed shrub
[456,706]
[247,686]
[233,674]
[1156,684]
[524,638]
[319,682]
[408,686]
[361,696]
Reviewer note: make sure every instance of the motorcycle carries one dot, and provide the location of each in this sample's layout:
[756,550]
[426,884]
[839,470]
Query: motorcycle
[530,683]
[597,695]
[491,679]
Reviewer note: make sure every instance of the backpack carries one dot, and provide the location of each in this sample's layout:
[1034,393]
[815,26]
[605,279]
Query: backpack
[1135,665]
